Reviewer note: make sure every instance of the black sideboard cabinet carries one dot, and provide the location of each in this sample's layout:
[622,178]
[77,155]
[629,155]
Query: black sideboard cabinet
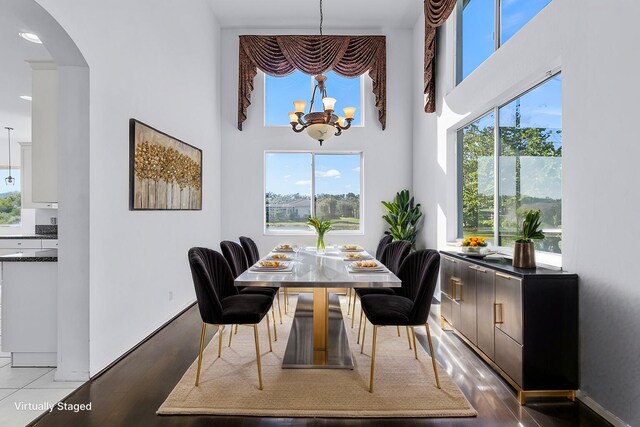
[522,322]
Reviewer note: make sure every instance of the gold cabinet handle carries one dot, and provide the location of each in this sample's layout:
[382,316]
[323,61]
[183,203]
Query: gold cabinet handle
[453,288]
[504,276]
[481,270]
[495,313]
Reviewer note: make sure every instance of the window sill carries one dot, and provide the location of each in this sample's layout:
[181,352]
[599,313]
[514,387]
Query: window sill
[302,233]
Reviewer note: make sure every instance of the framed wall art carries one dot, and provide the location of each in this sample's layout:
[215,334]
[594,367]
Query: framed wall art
[164,172]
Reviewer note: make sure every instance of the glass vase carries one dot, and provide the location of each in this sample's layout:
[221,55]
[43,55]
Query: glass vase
[320,244]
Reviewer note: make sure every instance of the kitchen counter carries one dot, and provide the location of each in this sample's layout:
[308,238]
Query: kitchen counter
[35,255]
[29,236]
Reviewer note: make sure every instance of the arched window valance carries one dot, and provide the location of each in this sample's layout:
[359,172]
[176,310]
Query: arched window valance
[348,56]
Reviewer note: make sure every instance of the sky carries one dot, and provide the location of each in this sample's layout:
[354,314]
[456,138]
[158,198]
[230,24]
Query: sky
[478,26]
[280,92]
[290,173]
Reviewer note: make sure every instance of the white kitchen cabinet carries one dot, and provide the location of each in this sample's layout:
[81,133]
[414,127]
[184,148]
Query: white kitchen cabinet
[21,244]
[27,181]
[44,131]
[49,243]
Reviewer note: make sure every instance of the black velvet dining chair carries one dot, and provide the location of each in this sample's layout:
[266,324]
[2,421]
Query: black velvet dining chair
[386,239]
[392,256]
[235,256]
[253,255]
[419,274]
[220,304]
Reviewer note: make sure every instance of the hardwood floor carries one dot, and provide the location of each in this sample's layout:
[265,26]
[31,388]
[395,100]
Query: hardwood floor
[131,391]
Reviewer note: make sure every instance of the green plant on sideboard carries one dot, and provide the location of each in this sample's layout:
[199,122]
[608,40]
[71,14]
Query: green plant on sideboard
[403,216]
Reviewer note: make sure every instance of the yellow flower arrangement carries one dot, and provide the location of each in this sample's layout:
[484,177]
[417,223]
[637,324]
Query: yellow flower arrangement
[474,242]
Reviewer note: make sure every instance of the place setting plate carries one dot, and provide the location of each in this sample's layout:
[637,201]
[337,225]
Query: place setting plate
[283,248]
[351,248]
[366,267]
[271,267]
[278,257]
[357,257]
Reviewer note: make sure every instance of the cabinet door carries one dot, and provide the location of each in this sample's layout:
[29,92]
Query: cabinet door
[20,244]
[509,305]
[447,276]
[467,298]
[485,291]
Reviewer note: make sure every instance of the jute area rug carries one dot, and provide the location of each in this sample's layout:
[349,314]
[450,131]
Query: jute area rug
[404,386]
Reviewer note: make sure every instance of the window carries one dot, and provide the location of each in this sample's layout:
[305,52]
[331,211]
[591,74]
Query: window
[299,184]
[528,155]
[479,23]
[280,92]
[10,203]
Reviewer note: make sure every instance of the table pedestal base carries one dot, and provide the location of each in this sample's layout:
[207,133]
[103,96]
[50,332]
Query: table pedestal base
[331,348]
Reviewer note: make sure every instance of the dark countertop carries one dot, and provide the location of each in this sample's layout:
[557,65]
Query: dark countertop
[48,255]
[505,266]
[29,236]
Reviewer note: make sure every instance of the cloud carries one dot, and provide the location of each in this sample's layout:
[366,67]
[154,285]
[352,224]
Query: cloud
[356,169]
[287,176]
[303,182]
[331,173]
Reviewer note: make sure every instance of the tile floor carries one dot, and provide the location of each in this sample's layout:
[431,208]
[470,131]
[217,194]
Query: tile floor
[27,385]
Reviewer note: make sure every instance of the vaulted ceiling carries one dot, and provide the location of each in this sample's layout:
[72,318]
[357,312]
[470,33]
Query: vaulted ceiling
[303,14]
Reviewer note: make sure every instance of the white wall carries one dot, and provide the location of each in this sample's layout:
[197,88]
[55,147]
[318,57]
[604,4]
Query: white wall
[156,62]
[600,151]
[387,154]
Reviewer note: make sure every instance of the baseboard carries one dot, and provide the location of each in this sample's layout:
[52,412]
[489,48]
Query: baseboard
[600,410]
[128,352]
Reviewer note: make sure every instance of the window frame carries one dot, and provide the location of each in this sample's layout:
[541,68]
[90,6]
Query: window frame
[264,100]
[549,258]
[267,232]
[497,14]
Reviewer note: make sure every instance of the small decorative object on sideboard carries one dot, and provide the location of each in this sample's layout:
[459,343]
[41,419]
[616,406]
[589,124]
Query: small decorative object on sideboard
[524,254]
[321,226]
[473,245]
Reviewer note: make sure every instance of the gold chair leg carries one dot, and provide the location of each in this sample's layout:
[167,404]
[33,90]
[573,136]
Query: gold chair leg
[398,328]
[364,333]
[230,334]
[236,329]
[286,300]
[353,313]
[433,357]
[415,347]
[219,340]
[408,338]
[279,306]
[255,334]
[359,327]
[275,332]
[202,334]
[269,332]
[373,357]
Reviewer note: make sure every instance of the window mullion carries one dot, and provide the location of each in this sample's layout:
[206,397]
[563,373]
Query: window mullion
[496,177]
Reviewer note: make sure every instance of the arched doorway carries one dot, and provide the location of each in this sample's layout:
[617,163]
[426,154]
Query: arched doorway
[73,188]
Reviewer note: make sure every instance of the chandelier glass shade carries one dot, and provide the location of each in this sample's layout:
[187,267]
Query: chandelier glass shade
[320,125]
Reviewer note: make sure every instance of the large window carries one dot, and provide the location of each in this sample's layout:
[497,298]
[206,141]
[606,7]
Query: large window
[527,157]
[299,184]
[10,203]
[479,23]
[280,92]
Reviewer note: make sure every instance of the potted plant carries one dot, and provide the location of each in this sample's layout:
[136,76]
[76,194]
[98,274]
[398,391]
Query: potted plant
[321,226]
[403,216]
[524,254]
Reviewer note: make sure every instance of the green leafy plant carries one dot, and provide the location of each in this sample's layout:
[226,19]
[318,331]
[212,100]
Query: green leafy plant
[531,227]
[403,216]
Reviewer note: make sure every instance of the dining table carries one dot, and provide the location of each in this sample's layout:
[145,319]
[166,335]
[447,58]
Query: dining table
[318,337]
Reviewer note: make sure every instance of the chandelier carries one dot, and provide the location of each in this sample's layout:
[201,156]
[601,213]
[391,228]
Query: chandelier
[320,125]
[9,180]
